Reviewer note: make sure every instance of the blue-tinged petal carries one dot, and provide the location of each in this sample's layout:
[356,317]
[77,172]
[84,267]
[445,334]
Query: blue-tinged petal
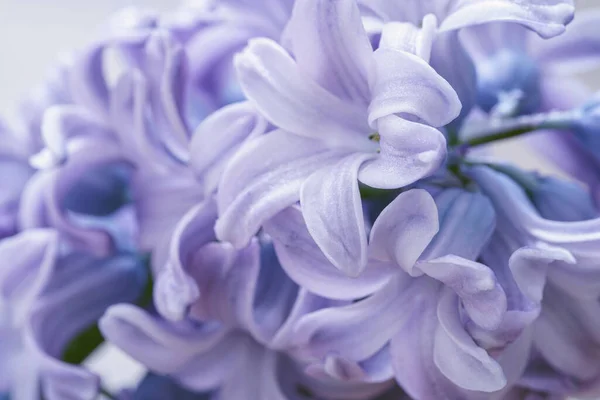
[306,264]
[457,356]
[292,101]
[15,173]
[331,45]
[467,221]
[75,296]
[575,51]
[480,294]
[408,151]
[404,229]
[218,137]
[263,178]
[207,352]
[560,200]
[175,288]
[332,209]
[546,17]
[437,103]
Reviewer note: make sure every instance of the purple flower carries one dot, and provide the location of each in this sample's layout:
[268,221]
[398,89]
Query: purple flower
[53,296]
[230,319]
[344,114]
[399,19]
[419,321]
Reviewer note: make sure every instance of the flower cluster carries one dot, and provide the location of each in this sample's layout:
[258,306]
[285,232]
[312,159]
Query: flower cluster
[283,200]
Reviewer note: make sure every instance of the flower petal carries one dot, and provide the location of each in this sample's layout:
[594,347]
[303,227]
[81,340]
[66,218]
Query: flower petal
[482,297]
[575,51]
[396,76]
[547,18]
[218,137]
[168,348]
[306,264]
[331,45]
[456,354]
[263,178]
[292,101]
[404,229]
[332,209]
[409,151]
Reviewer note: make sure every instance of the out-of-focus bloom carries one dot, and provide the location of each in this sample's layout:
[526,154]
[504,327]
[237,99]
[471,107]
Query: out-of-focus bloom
[50,297]
[401,19]
[344,114]
[230,315]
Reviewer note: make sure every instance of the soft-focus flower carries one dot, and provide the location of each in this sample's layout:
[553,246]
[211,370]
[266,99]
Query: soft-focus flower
[52,297]
[233,315]
[400,20]
[344,114]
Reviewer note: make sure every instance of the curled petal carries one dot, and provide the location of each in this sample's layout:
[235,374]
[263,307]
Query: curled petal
[407,37]
[218,137]
[396,76]
[332,208]
[263,178]
[456,354]
[404,229]
[306,264]
[408,152]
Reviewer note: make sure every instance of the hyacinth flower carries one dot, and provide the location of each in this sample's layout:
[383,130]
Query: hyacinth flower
[227,318]
[418,318]
[401,20]
[564,335]
[51,295]
[344,114]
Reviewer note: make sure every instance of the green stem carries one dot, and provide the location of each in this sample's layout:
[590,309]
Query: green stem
[510,128]
[107,394]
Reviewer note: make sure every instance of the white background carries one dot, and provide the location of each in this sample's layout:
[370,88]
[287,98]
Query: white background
[32,33]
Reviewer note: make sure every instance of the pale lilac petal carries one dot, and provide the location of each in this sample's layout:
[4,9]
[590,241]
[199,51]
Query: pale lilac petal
[87,82]
[292,101]
[332,209]
[480,294]
[575,51]
[263,178]
[218,137]
[404,229]
[456,354]
[341,330]
[306,264]
[408,152]
[547,18]
[395,78]
[331,45]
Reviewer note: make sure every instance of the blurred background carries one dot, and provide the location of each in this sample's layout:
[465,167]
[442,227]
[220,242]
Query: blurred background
[33,33]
